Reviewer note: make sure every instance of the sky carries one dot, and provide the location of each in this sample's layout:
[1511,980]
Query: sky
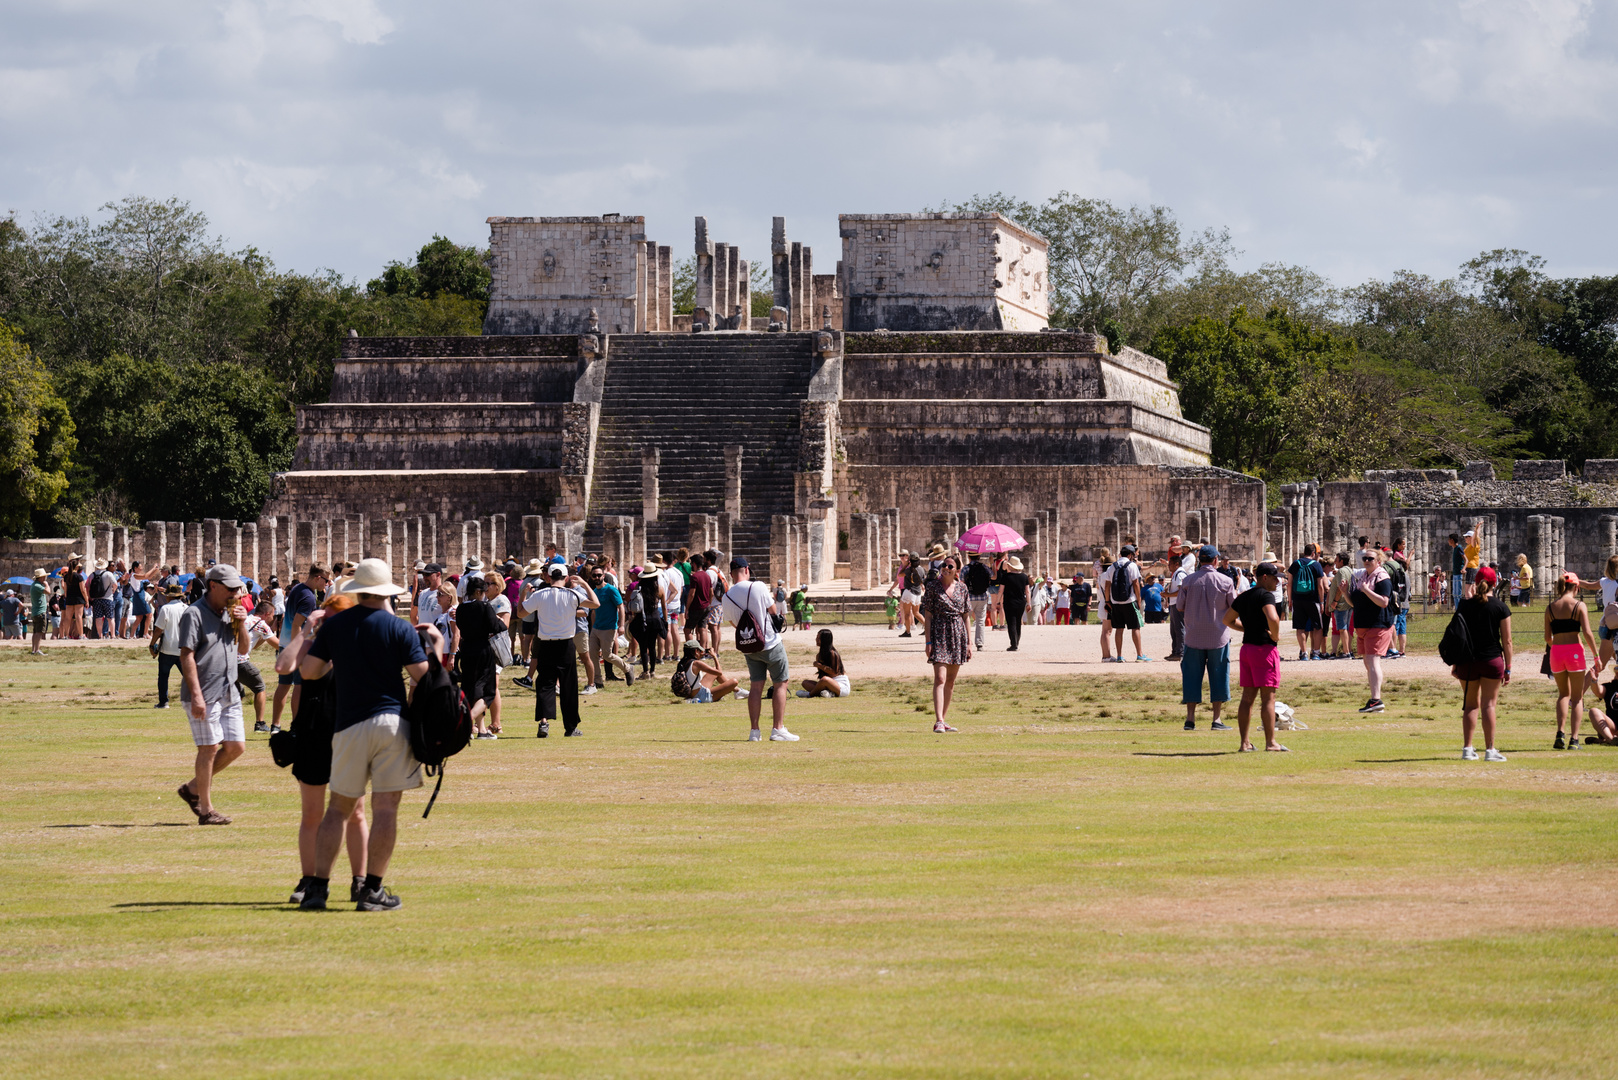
[1356,139]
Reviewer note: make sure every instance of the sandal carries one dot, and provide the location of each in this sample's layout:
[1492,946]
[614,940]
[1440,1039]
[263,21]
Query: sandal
[212,817]
[941,727]
[184,791]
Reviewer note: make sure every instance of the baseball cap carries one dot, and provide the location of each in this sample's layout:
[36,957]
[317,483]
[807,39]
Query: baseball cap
[1266,569]
[432,568]
[1127,549]
[1207,553]
[1466,534]
[226,575]
[739,562]
[558,571]
[1486,573]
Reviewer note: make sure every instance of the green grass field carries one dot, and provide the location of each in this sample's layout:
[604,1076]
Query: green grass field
[1071,887]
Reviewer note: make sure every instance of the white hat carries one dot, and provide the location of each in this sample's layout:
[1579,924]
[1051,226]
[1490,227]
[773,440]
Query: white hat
[1466,534]
[40,574]
[372,578]
[1015,564]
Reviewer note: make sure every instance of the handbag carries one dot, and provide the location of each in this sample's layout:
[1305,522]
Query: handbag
[500,646]
[1545,664]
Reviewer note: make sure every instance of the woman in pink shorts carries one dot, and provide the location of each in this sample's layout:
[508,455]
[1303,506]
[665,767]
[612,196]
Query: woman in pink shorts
[1371,592]
[1567,621]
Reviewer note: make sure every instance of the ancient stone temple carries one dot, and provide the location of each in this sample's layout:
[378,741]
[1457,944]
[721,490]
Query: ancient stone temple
[590,413]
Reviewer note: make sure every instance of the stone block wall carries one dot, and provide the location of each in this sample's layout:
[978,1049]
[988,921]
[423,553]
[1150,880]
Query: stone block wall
[1084,497]
[514,368]
[942,271]
[551,272]
[430,435]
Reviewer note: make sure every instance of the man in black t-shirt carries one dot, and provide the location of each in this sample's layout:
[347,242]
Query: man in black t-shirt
[978,578]
[1081,592]
[1253,613]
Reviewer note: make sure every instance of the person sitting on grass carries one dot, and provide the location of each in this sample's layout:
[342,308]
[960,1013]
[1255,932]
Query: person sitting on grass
[698,681]
[830,680]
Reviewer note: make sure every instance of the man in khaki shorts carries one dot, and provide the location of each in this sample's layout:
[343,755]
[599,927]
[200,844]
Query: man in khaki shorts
[366,646]
[209,635]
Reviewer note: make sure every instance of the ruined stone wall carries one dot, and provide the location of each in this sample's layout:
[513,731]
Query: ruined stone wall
[490,435]
[514,368]
[452,492]
[550,272]
[942,272]
[1084,496]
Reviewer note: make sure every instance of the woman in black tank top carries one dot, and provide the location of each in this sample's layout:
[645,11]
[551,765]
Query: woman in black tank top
[1567,619]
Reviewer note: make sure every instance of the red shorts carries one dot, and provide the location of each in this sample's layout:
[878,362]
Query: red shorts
[1481,669]
[1374,642]
[1260,665]
[1569,657]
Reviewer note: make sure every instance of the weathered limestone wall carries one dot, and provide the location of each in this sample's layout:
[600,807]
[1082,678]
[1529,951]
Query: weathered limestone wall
[430,435]
[550,272]
[950,433]
[942,272]
[1084,496]
[381,493]
[514,368]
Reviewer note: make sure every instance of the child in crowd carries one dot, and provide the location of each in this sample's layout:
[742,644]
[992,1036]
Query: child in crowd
[890,603]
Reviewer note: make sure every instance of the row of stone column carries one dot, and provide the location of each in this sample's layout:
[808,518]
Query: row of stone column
[655,288]
[793,276]
[1547,549]
[873,548]
[724,297]
[1303,506]
[797,547]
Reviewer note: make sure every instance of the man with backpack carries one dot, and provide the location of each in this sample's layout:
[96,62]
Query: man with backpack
[1122,589]
[1204,598]
[556,610]
[366,646]
[912,581]
[747,608]
[1304,593]
[1394,563]
[102,585]
[978,578]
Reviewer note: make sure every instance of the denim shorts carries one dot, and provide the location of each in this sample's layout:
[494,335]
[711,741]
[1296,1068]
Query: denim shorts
[1339,620]
[1400,621]
[770,664]
[1216,662]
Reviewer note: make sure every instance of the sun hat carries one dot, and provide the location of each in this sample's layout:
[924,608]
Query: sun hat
[535,566]
[226,575]
[39,574]
[474,564]
[173,592]
[1015,564]
[937,551]
[372,578]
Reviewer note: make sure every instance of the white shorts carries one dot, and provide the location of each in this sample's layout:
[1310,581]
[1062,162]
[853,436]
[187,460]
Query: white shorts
[843,688]
[908,597]
[223,723]
[377,750]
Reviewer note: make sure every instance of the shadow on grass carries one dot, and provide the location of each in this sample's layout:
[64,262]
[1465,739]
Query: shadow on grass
[126,825]
[151,904]
[1183,753]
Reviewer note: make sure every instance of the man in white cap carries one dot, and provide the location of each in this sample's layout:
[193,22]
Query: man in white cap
[212,632]
[366,646]
[556,610]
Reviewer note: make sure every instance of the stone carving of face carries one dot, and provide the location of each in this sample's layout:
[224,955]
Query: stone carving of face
[549,263]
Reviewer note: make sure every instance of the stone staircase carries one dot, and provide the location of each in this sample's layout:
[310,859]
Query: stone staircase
[691,395]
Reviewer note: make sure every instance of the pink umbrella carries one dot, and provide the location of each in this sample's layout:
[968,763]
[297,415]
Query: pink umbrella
[991,536]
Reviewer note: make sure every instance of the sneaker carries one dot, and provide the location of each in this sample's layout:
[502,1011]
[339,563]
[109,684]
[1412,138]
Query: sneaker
[1302,655]
[275,729]
[377,899]
[827,693]
[573,734]
[297,893]
[314,896]
[161,705]
[356,886]
[612,676]
[1191,725]
[260,727]
[544,729]
[1218,725]
[587,691]
[781,734]
[905,634]
[741,695]
[805,693]
[755,735]
[1560,743]
[1492,754]
[629,677]
[1573,744]
[524,681]
[1373,705]
[1143,660]
[1468,754]
[490,735]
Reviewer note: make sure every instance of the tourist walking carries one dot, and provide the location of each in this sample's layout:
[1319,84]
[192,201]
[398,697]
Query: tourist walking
[1399,572]
[1253,612]
[1205,596]
[1121,585]
[747,609]
[365,647]
[1371,593]
[831,678]
[479,675]
[649,586]
[212,633]
[1488,626]
[1567,624]
[248,678]
[555,668]
[911,583]
[165,640]
[1014,594]
[979,580]
[39,598]
[948,643]
[1525,580]
[1082,592]
[1341,604]
[73,599]
[1099,569]
[1305,593]
[311,766]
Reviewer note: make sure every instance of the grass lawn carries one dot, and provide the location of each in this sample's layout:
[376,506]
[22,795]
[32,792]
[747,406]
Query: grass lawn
[1070,887]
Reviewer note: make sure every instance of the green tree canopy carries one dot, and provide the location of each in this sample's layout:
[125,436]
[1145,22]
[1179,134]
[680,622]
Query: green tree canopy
[36,436]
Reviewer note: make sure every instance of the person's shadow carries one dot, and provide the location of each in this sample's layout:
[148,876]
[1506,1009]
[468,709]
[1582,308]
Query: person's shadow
[159,905]
[128,825]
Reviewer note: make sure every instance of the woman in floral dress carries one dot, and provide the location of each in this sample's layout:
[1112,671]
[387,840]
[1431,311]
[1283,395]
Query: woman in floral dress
[949,643]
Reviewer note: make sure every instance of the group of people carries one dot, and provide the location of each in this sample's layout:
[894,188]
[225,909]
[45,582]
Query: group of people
[78,600]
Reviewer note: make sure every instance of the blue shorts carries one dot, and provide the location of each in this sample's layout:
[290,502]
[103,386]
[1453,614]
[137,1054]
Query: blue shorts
[1399,622]
[1339,620]
[1216,662]
[1606,635]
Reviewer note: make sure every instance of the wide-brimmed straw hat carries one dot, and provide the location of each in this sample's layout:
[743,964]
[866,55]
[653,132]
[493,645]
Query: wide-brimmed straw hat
[372,578]
[937,551]
[39,574]
[1015,564]
[535,566]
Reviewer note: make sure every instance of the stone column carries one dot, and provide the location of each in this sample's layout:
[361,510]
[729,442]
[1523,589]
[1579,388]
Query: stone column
[665,288]
[744,295]
[705,275]
[1607,539]
[230,544]
[1053,537]
[780,264]
[795,312]
[804,298]
[250,553]
[1032,553]
[301,549]
[860,561]
[891,530]
[941,528]
[157,543]
[1538,553]
[500,542]
[199,549]
[817,549]
[650,460]
[780,542]
[721,285]
[1110,533]
[1047,564]
[697,532]
[725,535]
[806,552]
[733,481]
[532,546]
[649,291]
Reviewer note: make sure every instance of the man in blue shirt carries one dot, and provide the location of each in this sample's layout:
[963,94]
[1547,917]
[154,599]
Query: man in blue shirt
[366,646]
[604,630]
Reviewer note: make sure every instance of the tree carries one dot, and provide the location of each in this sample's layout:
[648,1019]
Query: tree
[36,437]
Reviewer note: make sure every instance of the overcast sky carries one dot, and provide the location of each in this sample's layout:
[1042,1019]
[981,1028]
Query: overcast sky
[1357,139]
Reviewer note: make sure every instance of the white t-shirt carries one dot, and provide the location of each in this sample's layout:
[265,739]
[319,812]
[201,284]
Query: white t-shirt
[1131,574]
[752,596]
[501,605]
[168,621]
[673,588]
[258,632]
[427,606]
[278,597]
[556,611]
[1609,591]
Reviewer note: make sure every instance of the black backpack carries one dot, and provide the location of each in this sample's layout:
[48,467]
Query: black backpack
[913,579]
[681,683]
[440,720]
[98,585]
[1123,591]
[1455,647]
[749,634]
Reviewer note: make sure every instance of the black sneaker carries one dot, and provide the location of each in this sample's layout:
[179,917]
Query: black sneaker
[1191,725]
[356,886]
[314,897]
[524,681]
[1373,705]
[297,893]
[377,899]
[1218,725]
[1560,743]
[544,729]
[573,732]
[629,677]
[261,728]
[275,729]
[612,676]
[905,634]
